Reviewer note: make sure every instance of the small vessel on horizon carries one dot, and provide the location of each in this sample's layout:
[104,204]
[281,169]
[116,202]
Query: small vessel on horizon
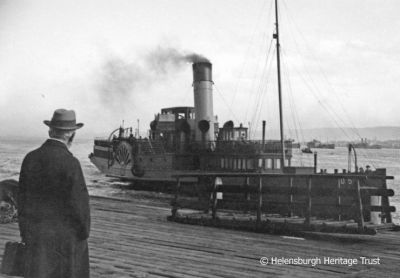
[315,144]
[364,144]
[306,150]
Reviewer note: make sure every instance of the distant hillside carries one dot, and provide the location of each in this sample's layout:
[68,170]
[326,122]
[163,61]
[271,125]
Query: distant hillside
[371,133]
[340,134]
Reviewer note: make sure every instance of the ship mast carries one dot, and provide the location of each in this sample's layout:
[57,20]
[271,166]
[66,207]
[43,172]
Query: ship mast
[278,60]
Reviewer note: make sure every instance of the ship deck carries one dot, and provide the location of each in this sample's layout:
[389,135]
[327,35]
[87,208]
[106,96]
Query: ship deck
[134,239]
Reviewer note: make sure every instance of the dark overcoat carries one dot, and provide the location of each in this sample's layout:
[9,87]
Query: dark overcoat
[53,213]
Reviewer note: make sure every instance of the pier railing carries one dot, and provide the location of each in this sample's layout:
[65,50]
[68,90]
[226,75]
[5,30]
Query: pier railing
[336,197]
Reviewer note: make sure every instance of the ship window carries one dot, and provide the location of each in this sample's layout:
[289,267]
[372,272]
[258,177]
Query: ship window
[222,163]
[268,163]
[260,163]
[277,163]
[250,164]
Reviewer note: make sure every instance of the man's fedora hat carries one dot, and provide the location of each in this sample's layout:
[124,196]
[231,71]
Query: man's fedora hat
[63,119]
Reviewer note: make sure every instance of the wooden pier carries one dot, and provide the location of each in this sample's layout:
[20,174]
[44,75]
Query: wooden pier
[132,238]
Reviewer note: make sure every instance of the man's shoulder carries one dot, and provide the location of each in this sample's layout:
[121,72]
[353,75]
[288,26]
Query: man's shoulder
[33,154]
[51,149]
[58,150]
[31,158]
[75,160]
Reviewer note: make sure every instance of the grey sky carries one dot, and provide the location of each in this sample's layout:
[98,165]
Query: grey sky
[59,53]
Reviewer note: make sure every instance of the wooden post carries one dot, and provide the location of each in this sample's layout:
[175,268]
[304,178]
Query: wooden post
[259,201]
[360,207]
[315,162]
[339,201]
[308,214]
[203,193]
[385,205]
[214,199]
[291,197]
[175,203]
[263,136]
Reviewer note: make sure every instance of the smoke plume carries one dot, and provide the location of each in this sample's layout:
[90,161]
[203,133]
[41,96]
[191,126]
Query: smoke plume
[117,79]
[162,59]
[121,79]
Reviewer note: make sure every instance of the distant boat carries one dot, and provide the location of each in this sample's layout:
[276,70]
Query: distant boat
[366,145]
[306,150]
[315,144]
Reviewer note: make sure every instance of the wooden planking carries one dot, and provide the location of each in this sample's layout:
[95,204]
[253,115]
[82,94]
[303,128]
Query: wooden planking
[133,239]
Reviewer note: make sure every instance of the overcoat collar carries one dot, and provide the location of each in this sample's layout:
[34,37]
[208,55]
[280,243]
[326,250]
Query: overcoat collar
[55,143]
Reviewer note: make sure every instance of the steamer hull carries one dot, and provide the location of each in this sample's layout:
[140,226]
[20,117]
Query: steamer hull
[145,159]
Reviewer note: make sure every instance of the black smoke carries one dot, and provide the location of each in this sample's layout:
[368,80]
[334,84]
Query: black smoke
[162,60]
[118,78]
[121,78]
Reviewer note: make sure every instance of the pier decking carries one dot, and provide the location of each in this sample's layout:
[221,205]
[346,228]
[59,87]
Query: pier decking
[134,239]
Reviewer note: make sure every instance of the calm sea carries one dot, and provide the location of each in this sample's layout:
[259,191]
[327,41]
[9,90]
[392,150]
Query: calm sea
[13,150]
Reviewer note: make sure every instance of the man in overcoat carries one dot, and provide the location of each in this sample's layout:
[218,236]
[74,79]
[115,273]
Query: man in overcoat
[53,205]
